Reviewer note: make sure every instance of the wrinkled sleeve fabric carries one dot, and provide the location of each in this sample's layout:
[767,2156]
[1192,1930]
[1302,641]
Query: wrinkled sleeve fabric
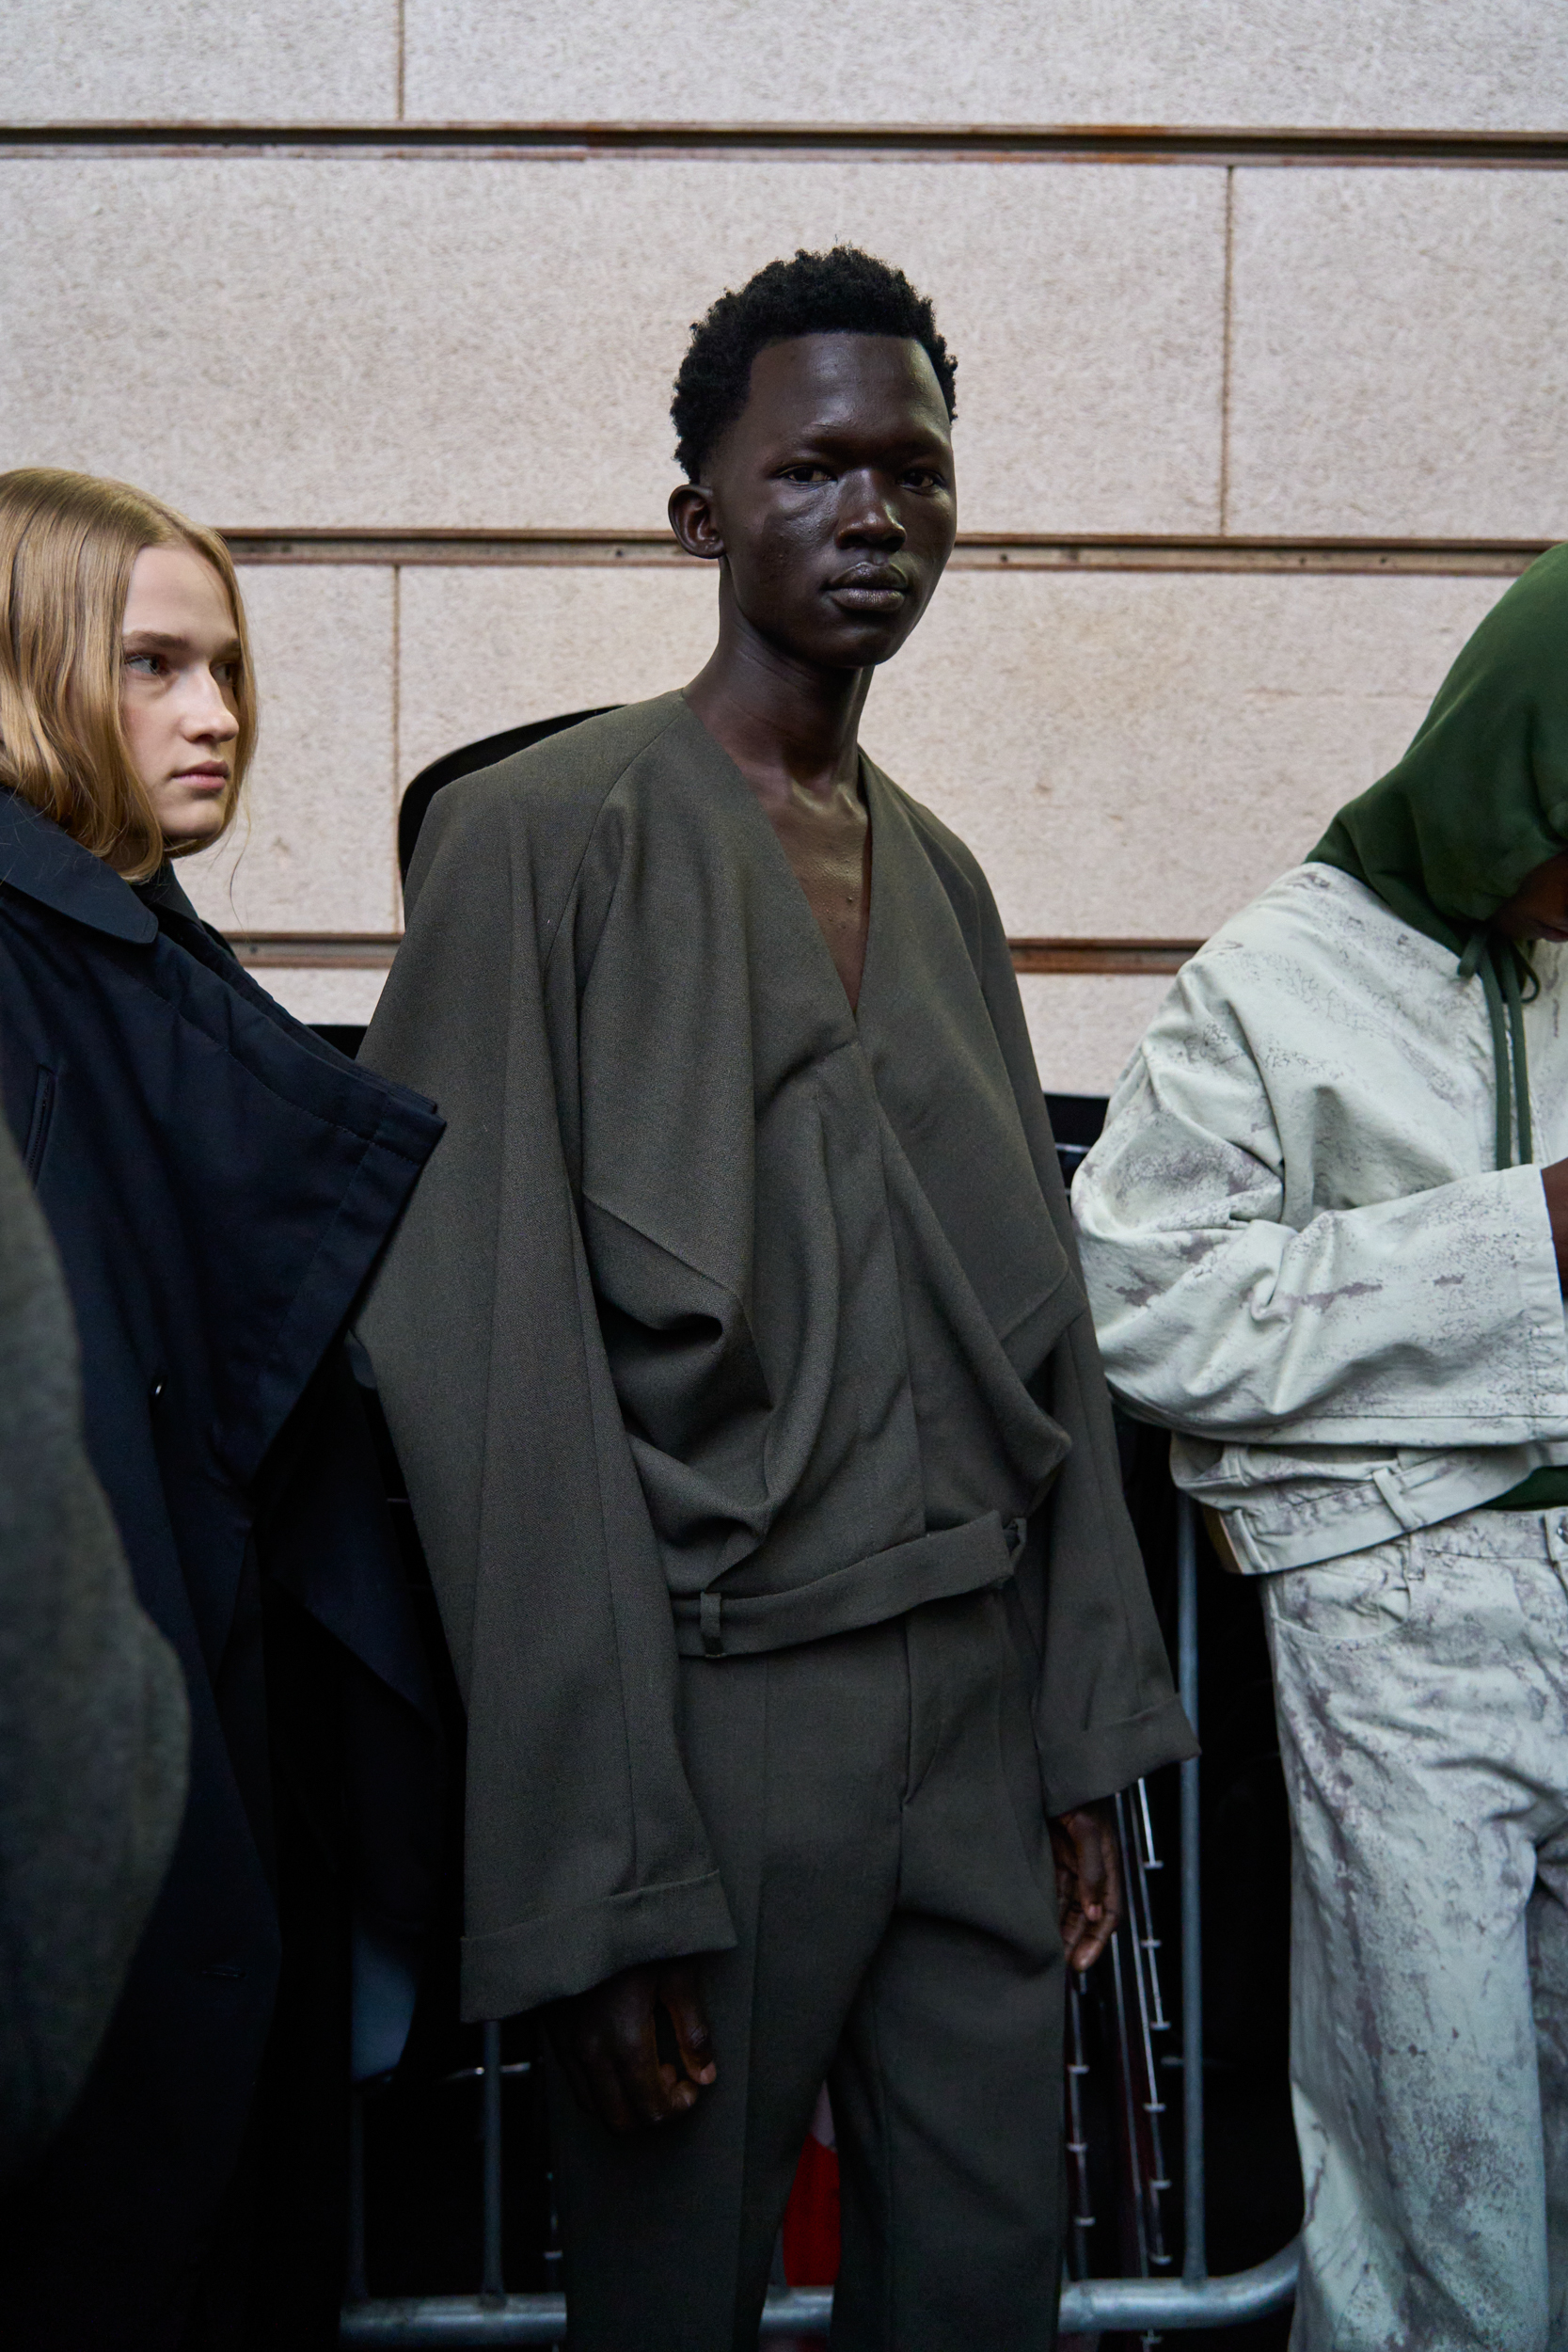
[1105,1711]
[93,1720]
[585,1851]
[1434,1319]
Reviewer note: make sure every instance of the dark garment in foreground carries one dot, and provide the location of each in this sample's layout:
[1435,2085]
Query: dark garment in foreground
[93,1709]
[723,1319]
[218,1183]
[873,1803]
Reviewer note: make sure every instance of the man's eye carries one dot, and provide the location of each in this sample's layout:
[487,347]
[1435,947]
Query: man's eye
[150,664]
[806,473]
[923,478]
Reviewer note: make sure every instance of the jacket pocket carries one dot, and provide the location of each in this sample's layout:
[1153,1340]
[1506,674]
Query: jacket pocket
[39,1125]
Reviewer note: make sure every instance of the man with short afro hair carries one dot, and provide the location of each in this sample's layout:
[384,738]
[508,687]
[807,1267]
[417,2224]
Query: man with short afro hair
[736,1353]
[845,292]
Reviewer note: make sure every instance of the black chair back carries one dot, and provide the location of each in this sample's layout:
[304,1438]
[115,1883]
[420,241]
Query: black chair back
[468,762]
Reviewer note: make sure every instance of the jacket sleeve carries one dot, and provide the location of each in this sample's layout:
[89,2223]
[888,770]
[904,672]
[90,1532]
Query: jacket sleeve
[1105,1711]
[585,1852]
[93,1721]
[1364,1326]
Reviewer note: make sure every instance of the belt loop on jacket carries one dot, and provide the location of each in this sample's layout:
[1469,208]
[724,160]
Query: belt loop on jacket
[710,1623]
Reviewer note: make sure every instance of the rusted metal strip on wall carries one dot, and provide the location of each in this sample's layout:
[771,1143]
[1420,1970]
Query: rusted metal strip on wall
[988,143]
[372,951]
[1001,551]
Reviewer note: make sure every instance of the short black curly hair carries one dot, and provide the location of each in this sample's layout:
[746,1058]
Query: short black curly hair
[844,292]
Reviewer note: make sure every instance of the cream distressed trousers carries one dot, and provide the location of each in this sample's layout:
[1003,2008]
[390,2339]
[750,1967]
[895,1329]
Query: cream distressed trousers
[1422,1693]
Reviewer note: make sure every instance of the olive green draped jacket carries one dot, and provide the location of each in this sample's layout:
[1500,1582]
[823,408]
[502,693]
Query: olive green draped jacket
[723,1318]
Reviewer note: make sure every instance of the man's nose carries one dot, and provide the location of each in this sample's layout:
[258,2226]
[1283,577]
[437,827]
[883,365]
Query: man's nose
[868,513]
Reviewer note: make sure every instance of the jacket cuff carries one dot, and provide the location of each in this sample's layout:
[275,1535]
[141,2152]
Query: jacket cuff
[560,1953]
[1089,1764]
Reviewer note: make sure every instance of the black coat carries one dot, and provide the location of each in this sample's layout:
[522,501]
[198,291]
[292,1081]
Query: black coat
[219,1183]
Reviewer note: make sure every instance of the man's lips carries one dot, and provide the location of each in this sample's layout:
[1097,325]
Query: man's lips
[870,588]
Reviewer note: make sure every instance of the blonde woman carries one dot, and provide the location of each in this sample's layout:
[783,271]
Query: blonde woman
[218,1183]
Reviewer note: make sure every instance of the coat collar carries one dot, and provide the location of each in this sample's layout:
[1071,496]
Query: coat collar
[44,862]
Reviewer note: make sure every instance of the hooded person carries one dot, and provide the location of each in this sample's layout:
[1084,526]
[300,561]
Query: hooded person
[1325,1234]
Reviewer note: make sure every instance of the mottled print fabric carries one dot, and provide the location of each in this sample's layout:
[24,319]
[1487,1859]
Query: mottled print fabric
[1301,1254]
[1422,1693]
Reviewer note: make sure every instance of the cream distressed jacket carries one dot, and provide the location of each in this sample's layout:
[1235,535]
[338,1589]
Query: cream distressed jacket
[1301,1256]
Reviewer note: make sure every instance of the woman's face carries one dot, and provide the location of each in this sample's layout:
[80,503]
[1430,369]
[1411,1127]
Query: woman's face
[177,699]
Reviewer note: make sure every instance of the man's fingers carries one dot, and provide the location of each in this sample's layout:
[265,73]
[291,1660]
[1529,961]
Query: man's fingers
[606,2094]
[682,1998]
[1116,1902]
[654,2091]
[1088,1882]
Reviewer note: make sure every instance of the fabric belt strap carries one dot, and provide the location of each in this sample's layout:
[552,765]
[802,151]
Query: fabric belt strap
[931,1567]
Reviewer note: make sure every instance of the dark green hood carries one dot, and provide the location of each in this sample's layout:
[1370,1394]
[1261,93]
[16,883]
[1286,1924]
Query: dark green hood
[1481,798]
[1477,803]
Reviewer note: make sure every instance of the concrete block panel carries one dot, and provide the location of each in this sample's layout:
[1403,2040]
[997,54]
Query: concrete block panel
[1385,63]
[293,341]
[323,993]
[1129,754]
[1084,1027]
[1397,342]
[199,61]
[1136,755]
[483,649]
[316,850]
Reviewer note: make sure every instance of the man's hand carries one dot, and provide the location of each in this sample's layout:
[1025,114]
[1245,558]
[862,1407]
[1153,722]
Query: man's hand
[1088,1880]
[608,2041]
[1554,1183]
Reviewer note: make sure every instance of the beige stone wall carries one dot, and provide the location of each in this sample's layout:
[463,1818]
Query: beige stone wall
[1264,425]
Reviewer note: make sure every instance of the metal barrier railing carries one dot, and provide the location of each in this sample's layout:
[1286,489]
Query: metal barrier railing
[1089,2306]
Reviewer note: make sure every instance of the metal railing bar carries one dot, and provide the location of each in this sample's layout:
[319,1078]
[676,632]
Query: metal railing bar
[419,2323]
[355,2286]
[422,2321]
[494,2281]
[1173,2304]
[1195,2262]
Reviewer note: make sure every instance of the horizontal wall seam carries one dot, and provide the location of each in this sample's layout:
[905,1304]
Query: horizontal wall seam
[900,142]
[1022,551]
[374,950]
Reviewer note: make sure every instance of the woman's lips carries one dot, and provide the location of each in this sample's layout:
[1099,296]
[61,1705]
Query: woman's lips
[204,779]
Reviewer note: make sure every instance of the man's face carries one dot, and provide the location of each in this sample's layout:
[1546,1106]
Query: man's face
[1539,908]
[831,497]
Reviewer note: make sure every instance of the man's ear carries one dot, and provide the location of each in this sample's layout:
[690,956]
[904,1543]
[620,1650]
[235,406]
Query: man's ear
[693,521]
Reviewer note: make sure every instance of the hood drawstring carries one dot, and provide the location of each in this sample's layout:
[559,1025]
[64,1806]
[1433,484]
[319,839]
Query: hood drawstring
[1499,964]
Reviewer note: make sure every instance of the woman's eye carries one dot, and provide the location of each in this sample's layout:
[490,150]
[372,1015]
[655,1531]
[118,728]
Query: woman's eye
[149,664]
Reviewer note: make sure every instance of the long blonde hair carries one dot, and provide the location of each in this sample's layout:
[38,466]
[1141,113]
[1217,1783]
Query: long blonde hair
[68,543]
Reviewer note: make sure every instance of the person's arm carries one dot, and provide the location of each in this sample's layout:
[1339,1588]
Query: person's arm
[585,1854]
[93,1721]
[1436,1318]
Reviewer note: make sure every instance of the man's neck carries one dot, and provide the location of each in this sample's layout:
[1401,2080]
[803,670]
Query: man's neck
[789,725]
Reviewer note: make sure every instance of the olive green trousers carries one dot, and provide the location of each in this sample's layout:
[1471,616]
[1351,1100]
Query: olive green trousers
[874,1805]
